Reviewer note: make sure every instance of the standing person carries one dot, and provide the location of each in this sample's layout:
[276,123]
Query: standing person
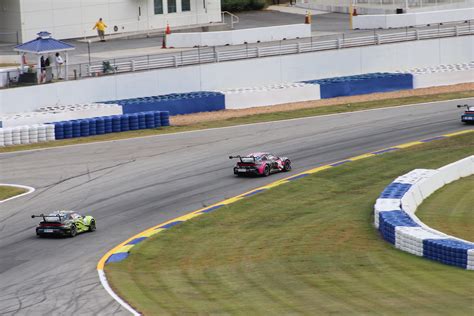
[100,26]
[59,64]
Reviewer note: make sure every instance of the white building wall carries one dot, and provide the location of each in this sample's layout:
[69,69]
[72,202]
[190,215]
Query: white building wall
[76,18]
[10,20]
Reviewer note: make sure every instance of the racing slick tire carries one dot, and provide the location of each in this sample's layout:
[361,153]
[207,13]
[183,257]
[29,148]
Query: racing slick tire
[73,231]
[92,226]
[266,171]
[287,166]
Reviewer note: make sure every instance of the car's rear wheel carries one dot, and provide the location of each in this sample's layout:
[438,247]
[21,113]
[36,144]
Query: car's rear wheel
[266,171]
[73,231]
[287,166]
[92,226]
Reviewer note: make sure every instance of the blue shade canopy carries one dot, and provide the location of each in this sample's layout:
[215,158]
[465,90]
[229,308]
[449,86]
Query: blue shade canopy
[44,43]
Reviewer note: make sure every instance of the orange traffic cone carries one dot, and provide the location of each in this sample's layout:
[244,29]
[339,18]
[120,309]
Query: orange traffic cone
[168,30]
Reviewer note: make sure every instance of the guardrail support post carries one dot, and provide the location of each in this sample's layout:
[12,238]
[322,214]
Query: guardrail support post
[89,73]
[298,47]
[417,35]
[175,61]
[377,37]
[217,56]
[339,43]
[258,52]
[133,65]
[456,30]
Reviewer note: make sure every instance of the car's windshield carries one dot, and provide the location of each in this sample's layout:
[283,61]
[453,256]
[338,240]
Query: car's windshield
[55,217]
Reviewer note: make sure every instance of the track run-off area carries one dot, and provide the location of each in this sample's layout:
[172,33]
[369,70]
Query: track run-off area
[131,185]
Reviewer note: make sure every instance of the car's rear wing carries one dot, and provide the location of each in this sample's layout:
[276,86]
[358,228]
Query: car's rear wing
[49,215]
[241,158]
[469,108]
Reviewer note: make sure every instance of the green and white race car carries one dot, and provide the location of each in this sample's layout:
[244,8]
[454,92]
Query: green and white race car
[64,223]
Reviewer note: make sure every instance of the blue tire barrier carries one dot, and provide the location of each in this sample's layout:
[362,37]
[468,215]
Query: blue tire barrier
[84,124]
[124,123]
[133,121]
[141,120]
[363,84]
[67,125]
[100,125]
[157,118]
[92,126]
[76,128]
[108,124]
[116,124]
[175,103]
[149,120]
[59,130]
[165,118]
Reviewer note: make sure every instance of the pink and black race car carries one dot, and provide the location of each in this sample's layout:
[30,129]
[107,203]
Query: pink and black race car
[262,164]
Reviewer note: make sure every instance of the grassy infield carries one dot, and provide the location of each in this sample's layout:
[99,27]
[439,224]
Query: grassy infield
[307,247]
[7,192]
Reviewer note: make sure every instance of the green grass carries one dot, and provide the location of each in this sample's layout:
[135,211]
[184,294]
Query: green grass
[267,117]
[451,209]
[8,192]
[306,247]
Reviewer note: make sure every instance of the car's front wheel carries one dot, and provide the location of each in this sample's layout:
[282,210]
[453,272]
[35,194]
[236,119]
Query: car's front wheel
[73,231]
[92,226]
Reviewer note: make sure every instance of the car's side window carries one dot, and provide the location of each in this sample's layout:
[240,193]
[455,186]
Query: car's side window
[264,158]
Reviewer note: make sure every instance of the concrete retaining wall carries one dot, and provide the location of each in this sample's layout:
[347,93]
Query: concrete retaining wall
[442,75]
[238,37]
[242,73]
[387,21]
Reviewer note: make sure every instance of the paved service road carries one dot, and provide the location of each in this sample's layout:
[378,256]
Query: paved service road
[133,184]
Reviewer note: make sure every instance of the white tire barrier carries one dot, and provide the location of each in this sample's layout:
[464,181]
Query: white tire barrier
[442,75]
[60,113]
[27,134]
[394,215]
[270,95]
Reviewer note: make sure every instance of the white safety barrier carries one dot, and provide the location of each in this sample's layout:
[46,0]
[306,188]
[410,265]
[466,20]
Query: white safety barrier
[270,95]
[26,134]
[238,37]
[442,75]
[386,21]
[60,113]
[394,215]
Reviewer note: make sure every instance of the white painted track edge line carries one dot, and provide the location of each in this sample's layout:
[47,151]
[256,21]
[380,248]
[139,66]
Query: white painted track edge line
[30,190]
[105,284]
[235,126]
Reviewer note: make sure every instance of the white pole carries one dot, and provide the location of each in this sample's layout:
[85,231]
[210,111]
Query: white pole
[66,64]
[38,69]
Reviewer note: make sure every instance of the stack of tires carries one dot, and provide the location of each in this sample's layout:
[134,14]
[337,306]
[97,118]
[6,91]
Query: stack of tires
[110,124]
[26,134]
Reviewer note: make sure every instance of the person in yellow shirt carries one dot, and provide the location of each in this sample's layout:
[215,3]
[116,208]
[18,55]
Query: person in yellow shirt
[100,26]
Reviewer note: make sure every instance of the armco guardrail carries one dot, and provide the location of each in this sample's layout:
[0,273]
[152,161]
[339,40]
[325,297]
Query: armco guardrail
[394,215]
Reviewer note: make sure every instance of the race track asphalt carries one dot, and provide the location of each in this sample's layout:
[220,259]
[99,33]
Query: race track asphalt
[130,185]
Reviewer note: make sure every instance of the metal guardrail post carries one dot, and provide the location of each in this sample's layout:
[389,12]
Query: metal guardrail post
[298,47]
[258,52]
[456,30]
[339,43]
[378,39]
[133,65]
[417,35]
[175,61]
